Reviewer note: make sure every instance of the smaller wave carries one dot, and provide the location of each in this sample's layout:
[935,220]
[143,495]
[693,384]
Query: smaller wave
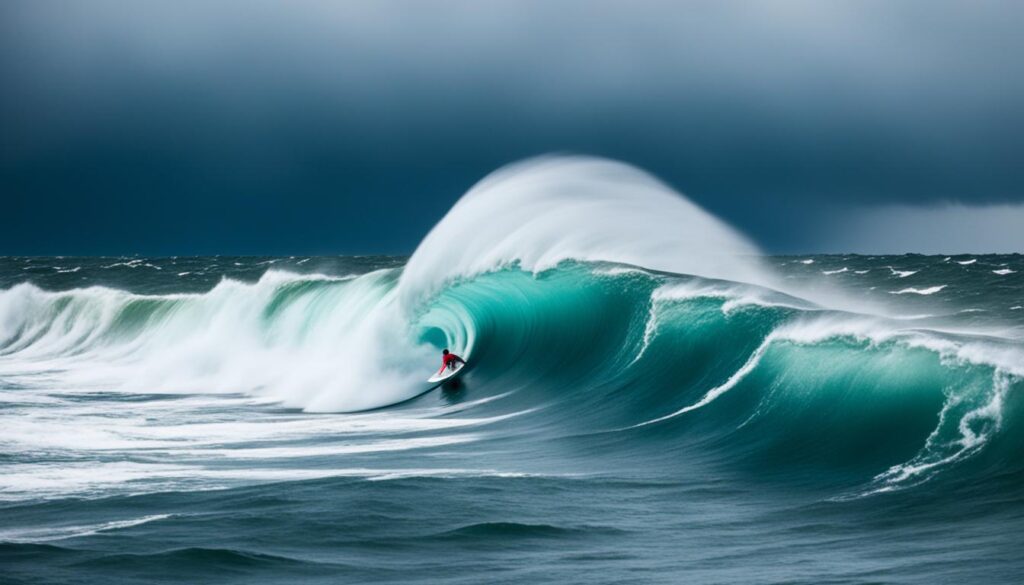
[918,291]
[506,530]
[862,271]
[912,317]
[808,261]
[840,271]
[205,558]
[1003,271]
[36,535]
[129,264]
[902,273]
[967,262]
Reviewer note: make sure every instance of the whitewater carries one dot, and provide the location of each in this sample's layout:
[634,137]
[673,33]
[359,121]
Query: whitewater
[650,399]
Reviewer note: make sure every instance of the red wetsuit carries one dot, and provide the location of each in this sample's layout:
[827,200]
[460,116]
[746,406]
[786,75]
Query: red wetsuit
[448,358]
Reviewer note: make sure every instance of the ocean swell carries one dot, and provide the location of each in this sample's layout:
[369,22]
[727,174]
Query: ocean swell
[593,301]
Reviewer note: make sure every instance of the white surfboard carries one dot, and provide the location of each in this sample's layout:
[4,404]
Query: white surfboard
[446,374]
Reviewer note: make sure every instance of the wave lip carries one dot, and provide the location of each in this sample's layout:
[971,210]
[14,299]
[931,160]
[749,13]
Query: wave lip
[538,213]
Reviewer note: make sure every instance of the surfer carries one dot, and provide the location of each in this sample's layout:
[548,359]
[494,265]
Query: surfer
[450,360]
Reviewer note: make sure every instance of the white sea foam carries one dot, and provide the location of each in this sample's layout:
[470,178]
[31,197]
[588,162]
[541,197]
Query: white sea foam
[650,329]
[129,264]
[222,341]
[1000,354]
[103,444]
[618,271]
[1003,271]
[840,271]
[735,295]
[543,211]
[100,479]
[976,427]
[919,291]
[902,273]
[719,390]
[967,262]
[52,533]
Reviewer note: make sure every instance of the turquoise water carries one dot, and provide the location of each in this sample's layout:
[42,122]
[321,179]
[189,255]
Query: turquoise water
[222,419]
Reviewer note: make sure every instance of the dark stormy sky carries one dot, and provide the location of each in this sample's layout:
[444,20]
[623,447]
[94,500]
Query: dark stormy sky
[191,127]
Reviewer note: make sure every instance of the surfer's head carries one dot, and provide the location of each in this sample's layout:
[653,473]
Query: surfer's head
[444,352]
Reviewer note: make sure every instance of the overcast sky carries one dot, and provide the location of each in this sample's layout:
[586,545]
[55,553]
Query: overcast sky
[183,127]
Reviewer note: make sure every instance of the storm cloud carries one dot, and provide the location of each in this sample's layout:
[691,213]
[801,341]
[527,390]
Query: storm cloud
[327,127]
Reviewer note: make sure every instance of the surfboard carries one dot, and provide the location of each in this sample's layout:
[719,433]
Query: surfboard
[446,374]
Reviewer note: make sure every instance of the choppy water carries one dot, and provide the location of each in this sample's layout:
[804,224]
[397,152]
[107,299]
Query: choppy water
[194,420]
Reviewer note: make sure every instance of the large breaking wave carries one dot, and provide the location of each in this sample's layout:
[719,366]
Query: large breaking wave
[581,286]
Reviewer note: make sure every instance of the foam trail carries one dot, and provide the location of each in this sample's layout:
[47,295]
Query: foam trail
[938,454]
[63,533]
[719,390]
[919,291]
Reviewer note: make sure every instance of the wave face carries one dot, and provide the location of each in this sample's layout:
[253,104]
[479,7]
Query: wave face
[603,347]
[615,375]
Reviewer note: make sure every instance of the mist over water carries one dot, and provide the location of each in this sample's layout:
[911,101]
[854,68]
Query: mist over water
[540,212]
[649,399]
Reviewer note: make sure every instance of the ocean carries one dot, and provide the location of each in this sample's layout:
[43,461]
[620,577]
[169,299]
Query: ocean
[648,399]
[265,420]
